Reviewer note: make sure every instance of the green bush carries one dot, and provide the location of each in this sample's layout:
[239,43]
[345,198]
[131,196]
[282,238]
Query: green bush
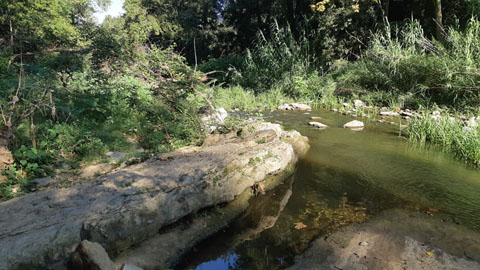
[415,70]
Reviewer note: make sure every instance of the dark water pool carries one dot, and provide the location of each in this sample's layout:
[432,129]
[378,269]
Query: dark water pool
[346,177]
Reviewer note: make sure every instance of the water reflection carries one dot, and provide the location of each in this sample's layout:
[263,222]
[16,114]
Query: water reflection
[346,177]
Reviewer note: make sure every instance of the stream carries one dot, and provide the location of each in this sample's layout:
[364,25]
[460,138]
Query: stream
[346,177]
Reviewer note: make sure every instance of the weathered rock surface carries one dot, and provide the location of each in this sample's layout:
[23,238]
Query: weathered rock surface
[91,256]
[397,240]
[355,124]
[317,125]
[131,205]
[164,250]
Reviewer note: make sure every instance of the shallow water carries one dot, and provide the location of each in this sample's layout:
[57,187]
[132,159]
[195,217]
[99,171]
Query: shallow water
[346,177]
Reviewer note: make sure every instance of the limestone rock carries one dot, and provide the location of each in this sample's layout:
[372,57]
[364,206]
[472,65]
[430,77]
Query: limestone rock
[317,125]
[127,207]
[91,256]
[354,124]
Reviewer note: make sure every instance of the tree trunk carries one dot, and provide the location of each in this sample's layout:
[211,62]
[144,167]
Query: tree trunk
[438,19]
[387,8]
[11,33]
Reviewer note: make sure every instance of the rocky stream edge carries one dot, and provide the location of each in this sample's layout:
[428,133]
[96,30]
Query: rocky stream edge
[141,208]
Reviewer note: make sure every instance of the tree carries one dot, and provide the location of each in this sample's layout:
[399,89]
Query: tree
[438,18]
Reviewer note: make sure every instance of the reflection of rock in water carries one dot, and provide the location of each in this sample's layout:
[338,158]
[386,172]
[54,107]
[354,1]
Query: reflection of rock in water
[261,214]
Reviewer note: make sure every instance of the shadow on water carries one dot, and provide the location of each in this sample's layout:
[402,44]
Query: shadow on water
[346,177]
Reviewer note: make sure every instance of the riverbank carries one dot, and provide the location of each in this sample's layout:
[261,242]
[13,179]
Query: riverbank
[130,206]
[395,239]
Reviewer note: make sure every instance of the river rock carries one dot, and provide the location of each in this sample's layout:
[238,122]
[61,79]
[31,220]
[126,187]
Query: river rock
[389,113]
[354,124]
[92,256]
[317,125]
[126,207]
[315,117]
[294,106]
[357,103]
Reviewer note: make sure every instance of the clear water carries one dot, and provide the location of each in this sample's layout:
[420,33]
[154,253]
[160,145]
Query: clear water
[346,177]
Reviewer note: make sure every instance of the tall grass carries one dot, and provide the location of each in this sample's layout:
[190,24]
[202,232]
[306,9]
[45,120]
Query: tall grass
[416,70]
[237,97]
[448,134]
[282,61]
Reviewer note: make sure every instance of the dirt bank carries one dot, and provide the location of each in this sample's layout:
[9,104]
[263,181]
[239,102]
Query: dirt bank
[127,207]
[396,239]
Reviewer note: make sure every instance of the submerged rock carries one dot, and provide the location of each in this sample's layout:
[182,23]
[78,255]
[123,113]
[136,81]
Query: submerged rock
[317,125]
[397,239]
[355,124]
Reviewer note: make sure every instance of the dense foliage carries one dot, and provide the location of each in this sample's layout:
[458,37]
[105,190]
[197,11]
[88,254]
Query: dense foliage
[73,89]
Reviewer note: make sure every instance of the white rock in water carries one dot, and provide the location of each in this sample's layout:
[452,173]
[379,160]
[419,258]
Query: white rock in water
[317,125]
[389,113]
[301,106]
[354,124]
[285,107]
[358,103]
[315,117]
